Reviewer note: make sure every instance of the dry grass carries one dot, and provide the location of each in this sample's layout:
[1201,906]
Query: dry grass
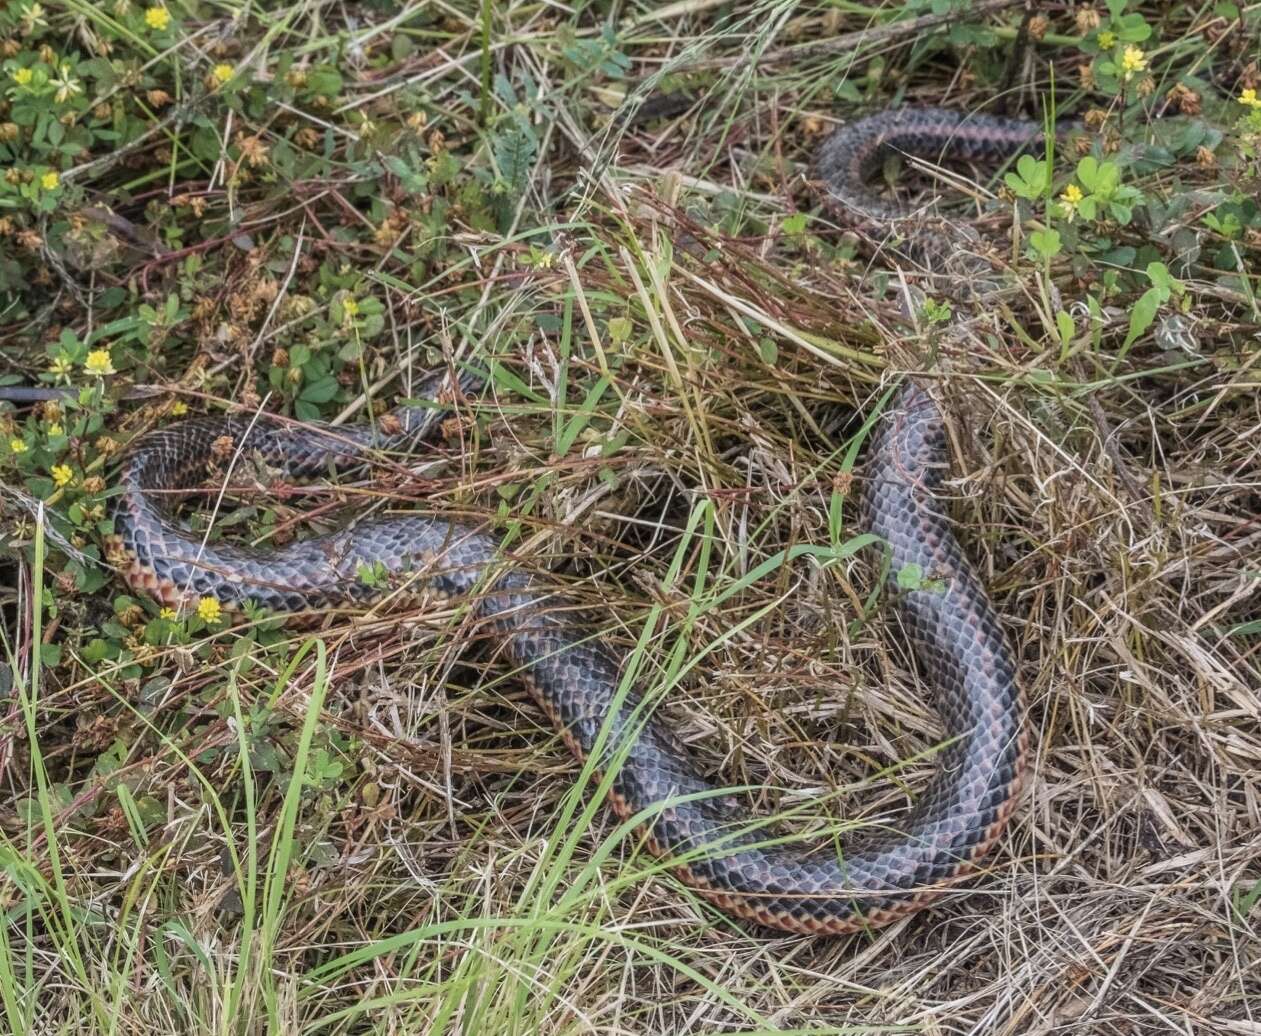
[383,835]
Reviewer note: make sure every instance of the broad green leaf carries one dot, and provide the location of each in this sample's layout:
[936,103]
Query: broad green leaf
[1141,317]
[1121,213]
[1161,278]
[1087,170]
[1046,243]
[1064,323]
[794,224]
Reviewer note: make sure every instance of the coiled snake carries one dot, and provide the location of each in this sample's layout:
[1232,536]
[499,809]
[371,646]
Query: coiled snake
[722,852]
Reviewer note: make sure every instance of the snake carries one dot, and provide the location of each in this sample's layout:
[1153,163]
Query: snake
[715,844]
[850,157]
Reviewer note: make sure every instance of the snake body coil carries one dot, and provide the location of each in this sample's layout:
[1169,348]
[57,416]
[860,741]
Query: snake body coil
[852,155]
[723,852]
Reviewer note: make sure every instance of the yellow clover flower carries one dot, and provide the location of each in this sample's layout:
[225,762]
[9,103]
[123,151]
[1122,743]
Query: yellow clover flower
[168,614]
[179,408]
[157,18]
[17,445]
[23,76]
[222,73]
[63,475]
[67,85]
[31,18]
[98,362]
[1249,98]
[209,610]
[51,180]
[1133,60]
[1070,198]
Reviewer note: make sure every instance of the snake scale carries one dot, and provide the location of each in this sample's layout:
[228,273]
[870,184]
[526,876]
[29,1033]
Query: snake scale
[716,847]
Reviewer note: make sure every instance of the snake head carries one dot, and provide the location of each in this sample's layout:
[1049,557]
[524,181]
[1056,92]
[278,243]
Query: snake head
[443,387]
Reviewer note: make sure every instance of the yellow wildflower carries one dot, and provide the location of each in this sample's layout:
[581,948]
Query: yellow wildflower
[168,614]
[61,365]
[1070,199]
[17,445]
[98,362]
[1133,60]
[63,474]
[1107,39]
[222,73]
[1249,98]
[208,609]
[54,429]
[179,408]
[157,18]
[23,76]
[67,85]
[50,181]
[31,18]
[350,307]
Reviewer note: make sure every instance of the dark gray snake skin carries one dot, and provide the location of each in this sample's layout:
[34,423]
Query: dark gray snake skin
[852,155]
[726,854]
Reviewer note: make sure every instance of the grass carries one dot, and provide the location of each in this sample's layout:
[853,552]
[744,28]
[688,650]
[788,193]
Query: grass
[216,826]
